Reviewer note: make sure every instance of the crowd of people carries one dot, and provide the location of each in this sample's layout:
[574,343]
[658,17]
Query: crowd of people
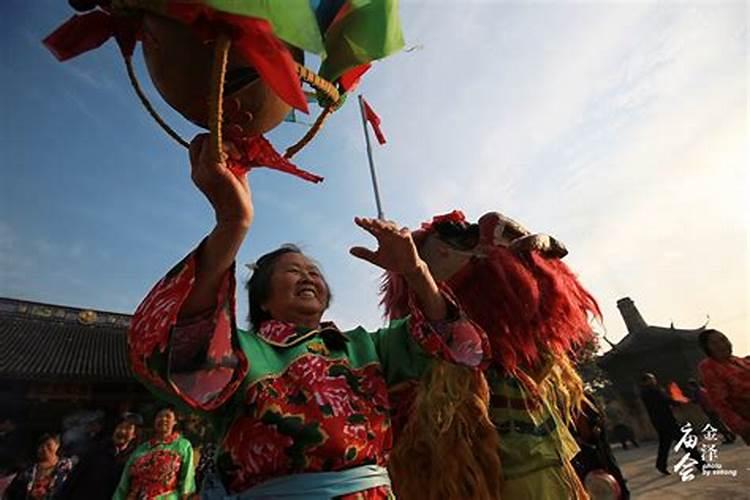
[133,462]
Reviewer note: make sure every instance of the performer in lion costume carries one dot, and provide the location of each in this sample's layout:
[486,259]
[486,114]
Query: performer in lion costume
[498,432]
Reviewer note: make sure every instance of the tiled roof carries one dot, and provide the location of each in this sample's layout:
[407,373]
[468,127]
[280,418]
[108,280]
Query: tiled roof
[53,342]
[650,339]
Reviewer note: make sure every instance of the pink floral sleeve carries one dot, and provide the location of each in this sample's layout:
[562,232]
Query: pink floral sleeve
[197,363]
[456,339]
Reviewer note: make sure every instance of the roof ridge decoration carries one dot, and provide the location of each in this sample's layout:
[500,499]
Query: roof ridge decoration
[61,313]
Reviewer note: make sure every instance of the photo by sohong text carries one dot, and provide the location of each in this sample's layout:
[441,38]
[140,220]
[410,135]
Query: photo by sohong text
[706,447]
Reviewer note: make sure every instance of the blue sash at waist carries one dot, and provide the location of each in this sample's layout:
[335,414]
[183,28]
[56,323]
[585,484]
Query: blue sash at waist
[307,485]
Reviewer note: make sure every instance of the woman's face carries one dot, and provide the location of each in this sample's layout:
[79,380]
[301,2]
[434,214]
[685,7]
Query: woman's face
[47,450]
[124,433]
[719,346]
[164,422]
[297,288]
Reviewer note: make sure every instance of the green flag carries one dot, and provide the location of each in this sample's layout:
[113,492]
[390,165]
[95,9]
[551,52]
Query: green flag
[370,30]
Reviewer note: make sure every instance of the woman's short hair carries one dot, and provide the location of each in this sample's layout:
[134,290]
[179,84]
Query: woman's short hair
[166,407]
[703,338]
[259,285]
[47,436]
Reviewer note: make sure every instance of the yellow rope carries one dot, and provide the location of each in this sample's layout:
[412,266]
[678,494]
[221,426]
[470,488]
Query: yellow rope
[332,94]
[319,83]
[215,100]
[216,94]
[295,148]
[147,104]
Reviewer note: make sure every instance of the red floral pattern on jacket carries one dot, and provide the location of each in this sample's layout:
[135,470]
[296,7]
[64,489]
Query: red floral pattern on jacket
[321,415]
[41,487]
[155,473]
[155,315]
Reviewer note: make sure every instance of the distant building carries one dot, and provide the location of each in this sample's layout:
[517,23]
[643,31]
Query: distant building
[672,354]
[55,360]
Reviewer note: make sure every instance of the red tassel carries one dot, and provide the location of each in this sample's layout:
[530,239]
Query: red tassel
[80,34]
[258,152]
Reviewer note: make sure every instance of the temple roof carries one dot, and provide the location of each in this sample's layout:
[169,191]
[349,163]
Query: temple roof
[54,342]
[649,339]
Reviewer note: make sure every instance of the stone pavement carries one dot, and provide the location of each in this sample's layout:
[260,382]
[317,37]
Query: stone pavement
[646,483]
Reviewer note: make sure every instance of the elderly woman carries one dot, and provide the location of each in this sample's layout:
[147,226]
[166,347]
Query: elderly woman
[46,477]
[162,467]
[302,407]
[727,381]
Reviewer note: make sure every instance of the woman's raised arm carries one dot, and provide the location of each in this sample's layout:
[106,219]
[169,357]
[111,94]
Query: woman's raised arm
[229,195]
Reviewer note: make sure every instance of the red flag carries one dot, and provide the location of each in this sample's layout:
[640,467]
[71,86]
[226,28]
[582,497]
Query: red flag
[80,34]
[374,120]
[676,393]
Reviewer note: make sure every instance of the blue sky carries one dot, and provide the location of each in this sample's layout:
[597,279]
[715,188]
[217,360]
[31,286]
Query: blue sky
[619,127]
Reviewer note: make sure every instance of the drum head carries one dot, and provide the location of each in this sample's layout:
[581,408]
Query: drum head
[601,485]
[179,64]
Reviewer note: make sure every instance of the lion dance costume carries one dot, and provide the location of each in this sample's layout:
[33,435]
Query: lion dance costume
[502,431]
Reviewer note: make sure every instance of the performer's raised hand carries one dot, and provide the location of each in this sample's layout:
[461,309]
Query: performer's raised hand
[227,191]
[397,253]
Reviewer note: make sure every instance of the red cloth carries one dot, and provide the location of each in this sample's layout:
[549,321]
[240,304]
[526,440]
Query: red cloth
[258,152]
[676,393]
[728,386]
[85,32]
[374,120]
[351,78]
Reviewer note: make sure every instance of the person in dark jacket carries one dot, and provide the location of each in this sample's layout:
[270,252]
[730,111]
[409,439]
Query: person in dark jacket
[97,475]
[590,432]
[659,407]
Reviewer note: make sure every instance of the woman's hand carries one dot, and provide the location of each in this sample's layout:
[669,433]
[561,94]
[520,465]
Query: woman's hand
[228,193]
[396,251]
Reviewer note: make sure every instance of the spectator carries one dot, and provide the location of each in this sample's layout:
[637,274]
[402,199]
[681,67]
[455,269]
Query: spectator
[99,471]
[624,434]
[44,479]
[659,408]
[727,381]
[595,455]
[162,467]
